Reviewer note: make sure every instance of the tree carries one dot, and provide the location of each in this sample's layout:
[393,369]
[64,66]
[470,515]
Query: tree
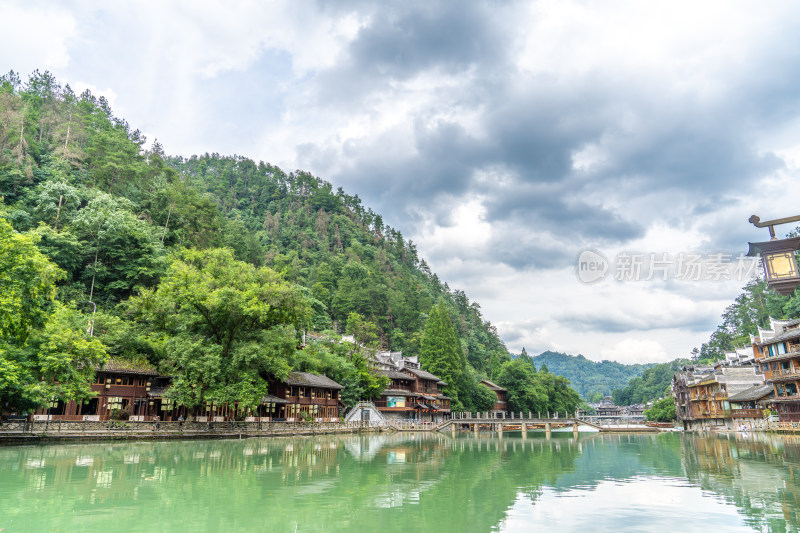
[662,410]
[65,358]
[120,251]
[27,285]
[364,331]
[221,327]
[44,352]
[483,398]
[525,392]
[441,354]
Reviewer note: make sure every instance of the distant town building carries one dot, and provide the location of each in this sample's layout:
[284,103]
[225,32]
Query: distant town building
[702,393]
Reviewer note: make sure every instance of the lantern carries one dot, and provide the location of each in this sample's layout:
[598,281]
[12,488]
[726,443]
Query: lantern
[777,256]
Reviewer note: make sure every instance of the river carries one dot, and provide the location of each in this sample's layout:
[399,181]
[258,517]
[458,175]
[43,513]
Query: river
[407,483]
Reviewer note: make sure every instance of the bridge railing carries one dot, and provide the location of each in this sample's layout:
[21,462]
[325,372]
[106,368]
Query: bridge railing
[502,415]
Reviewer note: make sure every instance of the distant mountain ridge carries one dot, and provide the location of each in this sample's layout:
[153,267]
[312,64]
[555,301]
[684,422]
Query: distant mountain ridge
[589,378]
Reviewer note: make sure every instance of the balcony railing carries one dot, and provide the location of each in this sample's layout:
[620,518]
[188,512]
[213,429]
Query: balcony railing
[794,351]
[785,373]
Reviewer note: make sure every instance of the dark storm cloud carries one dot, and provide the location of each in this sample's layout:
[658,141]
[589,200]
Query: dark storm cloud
[405,39]
[654,137]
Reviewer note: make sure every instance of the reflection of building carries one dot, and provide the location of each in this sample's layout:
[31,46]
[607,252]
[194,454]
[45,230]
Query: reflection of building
[500,405]
[778,353]
[413,393]
[120,386]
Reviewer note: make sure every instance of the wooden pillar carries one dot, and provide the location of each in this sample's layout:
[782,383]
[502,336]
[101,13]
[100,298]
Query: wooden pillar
[500,430]
[524,429]
[453,429]
[475,428]
[575,429]
[547,430]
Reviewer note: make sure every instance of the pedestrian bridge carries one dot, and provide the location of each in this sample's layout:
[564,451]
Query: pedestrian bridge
[509,422]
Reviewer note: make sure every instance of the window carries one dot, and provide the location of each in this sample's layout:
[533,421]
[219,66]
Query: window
[781,348]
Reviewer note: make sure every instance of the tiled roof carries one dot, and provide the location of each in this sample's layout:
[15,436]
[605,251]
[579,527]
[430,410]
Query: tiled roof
[788,334]
[125,366]
[394,374]
[493,386]
[422,373]
[751,394]
[308,379]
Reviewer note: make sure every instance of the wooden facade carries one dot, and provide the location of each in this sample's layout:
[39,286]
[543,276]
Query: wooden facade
[119,386]
[307,397]
[702,393]
[135,391]
[778,354]
[413,394]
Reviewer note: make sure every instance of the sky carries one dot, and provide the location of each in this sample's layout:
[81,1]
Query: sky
[583,170]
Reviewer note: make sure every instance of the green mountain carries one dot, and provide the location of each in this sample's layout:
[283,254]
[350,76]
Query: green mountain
[592,380]
[210,267]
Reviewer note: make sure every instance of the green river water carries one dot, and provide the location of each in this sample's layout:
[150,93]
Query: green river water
[407,483]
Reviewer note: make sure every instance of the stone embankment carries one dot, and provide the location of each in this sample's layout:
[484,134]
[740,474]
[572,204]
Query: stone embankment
[22,432]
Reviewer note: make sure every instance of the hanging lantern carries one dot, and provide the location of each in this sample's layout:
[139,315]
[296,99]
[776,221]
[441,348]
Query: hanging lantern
[777,257]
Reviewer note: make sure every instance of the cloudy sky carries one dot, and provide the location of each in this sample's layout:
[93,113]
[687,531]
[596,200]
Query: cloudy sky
[504,138]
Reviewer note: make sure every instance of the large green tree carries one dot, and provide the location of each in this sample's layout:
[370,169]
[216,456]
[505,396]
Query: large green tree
[221,327]
[441,354]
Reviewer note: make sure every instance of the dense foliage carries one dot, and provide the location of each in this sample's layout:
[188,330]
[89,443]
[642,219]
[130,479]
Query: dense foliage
[591,379]
[209,267]
[653,384]
[40,340]
[662,410]
[536,392]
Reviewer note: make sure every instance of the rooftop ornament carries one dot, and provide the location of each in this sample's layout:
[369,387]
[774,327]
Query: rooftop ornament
[777,255]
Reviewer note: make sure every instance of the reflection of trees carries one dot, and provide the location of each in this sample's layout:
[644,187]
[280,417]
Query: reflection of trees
[758,473]
[402,482]
[386,482]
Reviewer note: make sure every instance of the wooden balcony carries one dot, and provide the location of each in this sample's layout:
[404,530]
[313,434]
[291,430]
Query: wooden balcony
[784,374]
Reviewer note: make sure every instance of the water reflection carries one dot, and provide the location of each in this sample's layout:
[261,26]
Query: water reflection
[406,482]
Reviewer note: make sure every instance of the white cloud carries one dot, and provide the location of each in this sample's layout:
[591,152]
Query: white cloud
[35,36]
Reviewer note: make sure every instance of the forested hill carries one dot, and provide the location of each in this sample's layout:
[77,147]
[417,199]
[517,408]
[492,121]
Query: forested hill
[180,256]
[591,379]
